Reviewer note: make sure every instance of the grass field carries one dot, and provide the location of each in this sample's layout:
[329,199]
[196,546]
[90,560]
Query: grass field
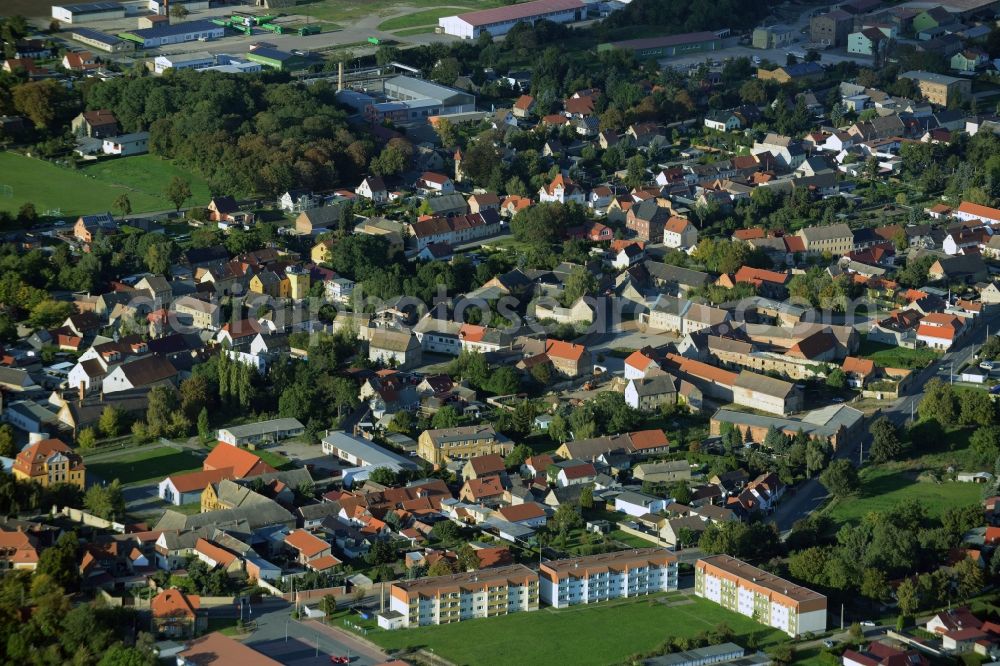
[344,10]
[426,17]
[896,357]
[93,188]
[145,464]
[604,633]
[275,460]
[148,175]
[884,487]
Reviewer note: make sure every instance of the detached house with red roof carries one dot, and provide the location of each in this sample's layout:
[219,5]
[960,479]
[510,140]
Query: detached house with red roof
[436,183]
[312,552]
[575,474]
[524,106]
[487,491]
[177,615]
[939,330]
[568,359]
[679,232]
[17,551]
[971,211]
[562,190]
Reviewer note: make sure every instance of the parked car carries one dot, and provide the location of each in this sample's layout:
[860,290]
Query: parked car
[987,365]
[828,643]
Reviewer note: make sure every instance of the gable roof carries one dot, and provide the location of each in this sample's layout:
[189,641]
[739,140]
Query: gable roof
[306,543]
[564,350]
[174,603]
[242,462]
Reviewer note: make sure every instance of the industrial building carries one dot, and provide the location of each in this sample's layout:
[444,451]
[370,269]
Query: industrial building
[101,41]
[180,33]
[88,12]
[283,61]
[500,20]
[407,100]
[186,61]
[668,46]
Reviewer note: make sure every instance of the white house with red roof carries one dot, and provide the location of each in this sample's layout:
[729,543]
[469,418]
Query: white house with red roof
[639,364]
[576,474]
[939,330]
[679,232]
[971,211]
[437,183]
[562,190]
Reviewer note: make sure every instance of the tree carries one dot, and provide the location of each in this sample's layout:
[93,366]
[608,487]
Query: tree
[204,431]
[49,313]
[446,532]
[837,379]
[178,190]
[906,595]
[8,448]
[443,567]
[381,552]
[123,204]
[809,564]
[774,440]
[985,444]
[40,101]
[504,381]
[840,478]
[59,562]
[517,456]
[467,558]
[874,585]
[118,654]
[402,422]
[939,403]
[161,410]
[976,408]
[886,444]
[580,282]
[110,422]
[447,133]
[446,417]
[179,12]
[969,578]
[105,501]
[566,518]
[87,439]
[587,497]
[636,175]
[383,476]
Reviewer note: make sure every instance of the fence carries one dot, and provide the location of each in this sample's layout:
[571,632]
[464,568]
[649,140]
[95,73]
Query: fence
[90,520]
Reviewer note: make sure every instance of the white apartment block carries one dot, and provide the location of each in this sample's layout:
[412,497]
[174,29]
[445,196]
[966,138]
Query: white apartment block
[745,589]
[596,578]
[465,596]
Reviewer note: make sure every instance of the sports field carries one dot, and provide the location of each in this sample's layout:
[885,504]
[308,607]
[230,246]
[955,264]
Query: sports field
[341,11]
[92,188]
[604,633]
[145,464]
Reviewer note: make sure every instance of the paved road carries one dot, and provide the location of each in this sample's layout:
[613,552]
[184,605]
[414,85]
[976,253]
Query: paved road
[811,494]
[295,643]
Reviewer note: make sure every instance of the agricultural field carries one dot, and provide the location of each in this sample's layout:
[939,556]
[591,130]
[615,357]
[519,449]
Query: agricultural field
[92,188]
[579,635]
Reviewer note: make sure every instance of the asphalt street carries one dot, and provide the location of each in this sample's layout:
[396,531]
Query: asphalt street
[811,495]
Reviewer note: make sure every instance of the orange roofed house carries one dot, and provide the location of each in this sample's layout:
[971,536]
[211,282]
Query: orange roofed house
[17,551]
[177,615]
[312,552]
[50,461]
[745,589]
[568,359]
[224,462]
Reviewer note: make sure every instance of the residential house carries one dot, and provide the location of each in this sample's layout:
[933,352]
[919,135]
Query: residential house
[939,330]
[197,313]
[436,183]
[679,232]
[96,124]
[960,268]
[225,211]
[49,461]
[562,190]
[637,504]
[397,349]
[17,551]
[461,443]
[373,188]
[177,615]
[647,220]
[311,551]
[836,239]
[568,359]
[455,229]
[487,491]
[574,473]
[479,203]
[88,225]
[145,372]
[650,393]
[524,106]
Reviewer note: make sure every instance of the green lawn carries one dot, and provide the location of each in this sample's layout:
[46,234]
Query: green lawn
[603,633]
[273,459]
[92,188]
[426,17]
[883,487]
[147,464]
[896,357]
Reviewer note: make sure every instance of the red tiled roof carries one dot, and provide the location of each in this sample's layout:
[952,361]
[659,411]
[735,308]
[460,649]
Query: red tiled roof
[648,439]
[242,462]
[518,512]
[566,350]
[579,471]
[512,13]
[192,481]
[858,366]
[306,543]
[979,210]
[174,603]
